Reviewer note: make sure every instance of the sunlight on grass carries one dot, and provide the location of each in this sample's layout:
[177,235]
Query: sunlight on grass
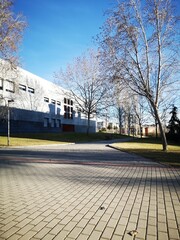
[152,151]
[147,146]
[26,141]
[56,138]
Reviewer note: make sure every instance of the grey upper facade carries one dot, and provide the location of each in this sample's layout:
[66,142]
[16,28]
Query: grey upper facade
[37,105]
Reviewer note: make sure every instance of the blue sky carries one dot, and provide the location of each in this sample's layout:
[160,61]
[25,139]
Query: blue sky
[58,31]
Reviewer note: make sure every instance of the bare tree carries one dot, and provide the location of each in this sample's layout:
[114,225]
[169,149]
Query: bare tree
[139,43]
[86,86]
[140,110]
[11,31]
[120,98]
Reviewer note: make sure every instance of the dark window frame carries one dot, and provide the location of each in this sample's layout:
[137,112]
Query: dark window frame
[22,87]
[31,90]
[13,85]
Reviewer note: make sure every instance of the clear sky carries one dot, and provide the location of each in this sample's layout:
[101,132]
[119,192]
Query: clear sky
[58,31]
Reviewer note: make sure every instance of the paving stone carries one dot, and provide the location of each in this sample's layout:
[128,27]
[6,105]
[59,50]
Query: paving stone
[23,223]
[39,226]
[151,237]
[88,229]
[163,236]
[25,229]
[152,230]
[52,223]
[14,237]
[75,232]
[56,229]
[48,237]
[28,235]
[37,220]
[95,235]
[42,233]
[9,232]
[174,233]
[108,232]
[120,229]
[62,235]
[82,223]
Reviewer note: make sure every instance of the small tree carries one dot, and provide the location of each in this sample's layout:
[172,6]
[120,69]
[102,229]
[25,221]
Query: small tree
[86,86]
[174,125]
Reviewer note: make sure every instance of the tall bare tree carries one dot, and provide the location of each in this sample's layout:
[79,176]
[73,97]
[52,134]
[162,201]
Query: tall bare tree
[11,31]
[139,43]
[86,86]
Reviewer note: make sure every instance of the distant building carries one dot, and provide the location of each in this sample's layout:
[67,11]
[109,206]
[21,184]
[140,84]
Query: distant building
[37,105]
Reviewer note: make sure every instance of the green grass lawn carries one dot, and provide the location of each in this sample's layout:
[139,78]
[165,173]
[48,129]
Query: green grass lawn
[55,138]
[152,148]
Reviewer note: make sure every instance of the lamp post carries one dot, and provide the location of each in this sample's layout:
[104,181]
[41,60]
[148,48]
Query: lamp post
[8,121]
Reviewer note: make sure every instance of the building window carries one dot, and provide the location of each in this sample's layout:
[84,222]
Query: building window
[58,123]
[68,109]
[46,99]
[53,101]
[1,84]
[53,123]
[10,86]
[31,90]
[22,87]
[58,103]
[46,122]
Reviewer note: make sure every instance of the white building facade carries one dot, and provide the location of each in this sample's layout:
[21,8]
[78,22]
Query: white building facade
[37,105]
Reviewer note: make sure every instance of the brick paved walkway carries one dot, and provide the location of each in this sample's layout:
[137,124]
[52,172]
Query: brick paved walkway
[60,201]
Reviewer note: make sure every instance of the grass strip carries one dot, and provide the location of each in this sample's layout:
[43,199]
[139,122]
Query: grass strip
[56,138]
[152,149]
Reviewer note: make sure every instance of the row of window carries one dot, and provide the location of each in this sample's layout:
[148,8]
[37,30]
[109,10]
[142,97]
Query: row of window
[9,86]
[24,88]
[68,109]
[68,115]
[52,101]
[68,101]
[53,123]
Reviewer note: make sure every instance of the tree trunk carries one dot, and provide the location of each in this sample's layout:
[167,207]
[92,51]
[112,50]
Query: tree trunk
[120,120]
[88,126]
[162,132]
[140,127]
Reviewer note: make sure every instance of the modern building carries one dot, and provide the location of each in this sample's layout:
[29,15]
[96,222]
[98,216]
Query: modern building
[37,105]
